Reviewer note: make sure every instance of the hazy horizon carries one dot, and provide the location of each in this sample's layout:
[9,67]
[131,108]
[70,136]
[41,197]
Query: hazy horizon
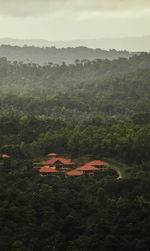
[133,44]
[74,39]
[66,20]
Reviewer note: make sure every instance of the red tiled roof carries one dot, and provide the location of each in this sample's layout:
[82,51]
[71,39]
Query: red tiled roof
[52,154]
[54,160]
[47,169]
[87,168]
[98,163]
[74,173]
[6,156]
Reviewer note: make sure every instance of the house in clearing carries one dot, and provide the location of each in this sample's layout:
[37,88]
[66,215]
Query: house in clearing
[46,170]
[59,163]
[98,164]
[87,169]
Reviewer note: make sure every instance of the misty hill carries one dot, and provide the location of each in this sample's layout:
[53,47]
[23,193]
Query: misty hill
[43,56]
[23,78]
[79,91]
[141,43]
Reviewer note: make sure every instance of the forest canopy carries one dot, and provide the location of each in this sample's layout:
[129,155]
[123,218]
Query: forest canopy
[80,91]
[97,108]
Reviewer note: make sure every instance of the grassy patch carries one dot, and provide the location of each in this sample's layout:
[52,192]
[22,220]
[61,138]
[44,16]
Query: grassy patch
[122,169]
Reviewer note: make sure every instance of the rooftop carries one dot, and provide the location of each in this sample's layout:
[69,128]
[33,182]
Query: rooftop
[52,154]
[6,156]
[74,173]
[54,160]
[47,169]
[97,163]
[87,168]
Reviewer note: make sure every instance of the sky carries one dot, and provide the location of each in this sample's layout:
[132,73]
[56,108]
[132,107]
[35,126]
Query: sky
[73,19]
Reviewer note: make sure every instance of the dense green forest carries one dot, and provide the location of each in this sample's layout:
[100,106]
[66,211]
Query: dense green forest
[85,213]
[80,91]
[99,108]
[27,137]
[42,56]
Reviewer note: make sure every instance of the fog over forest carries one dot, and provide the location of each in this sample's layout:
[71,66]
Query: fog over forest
[74,125]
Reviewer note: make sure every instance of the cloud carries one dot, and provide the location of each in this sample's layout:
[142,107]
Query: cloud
[41,7]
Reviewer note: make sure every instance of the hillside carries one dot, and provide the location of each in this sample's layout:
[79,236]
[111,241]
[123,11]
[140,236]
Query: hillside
[91,109]
[74,125]
[19,77]
[83,90]
[45,55]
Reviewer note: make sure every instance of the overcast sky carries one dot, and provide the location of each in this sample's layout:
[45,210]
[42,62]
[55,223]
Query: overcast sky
[74,19]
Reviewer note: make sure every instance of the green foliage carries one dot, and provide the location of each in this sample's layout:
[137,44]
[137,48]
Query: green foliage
[68,110]
[55,213]
[34,137]
[81,91]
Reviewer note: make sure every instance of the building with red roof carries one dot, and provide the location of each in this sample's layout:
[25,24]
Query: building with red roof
[87,169]
[98,164]
[74,173]
[52,155]
[5,156]
[60,163]
[7,160]
[45,170]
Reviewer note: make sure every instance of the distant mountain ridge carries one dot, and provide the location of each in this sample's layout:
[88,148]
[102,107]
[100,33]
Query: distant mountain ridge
[46,55]
[139,43]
